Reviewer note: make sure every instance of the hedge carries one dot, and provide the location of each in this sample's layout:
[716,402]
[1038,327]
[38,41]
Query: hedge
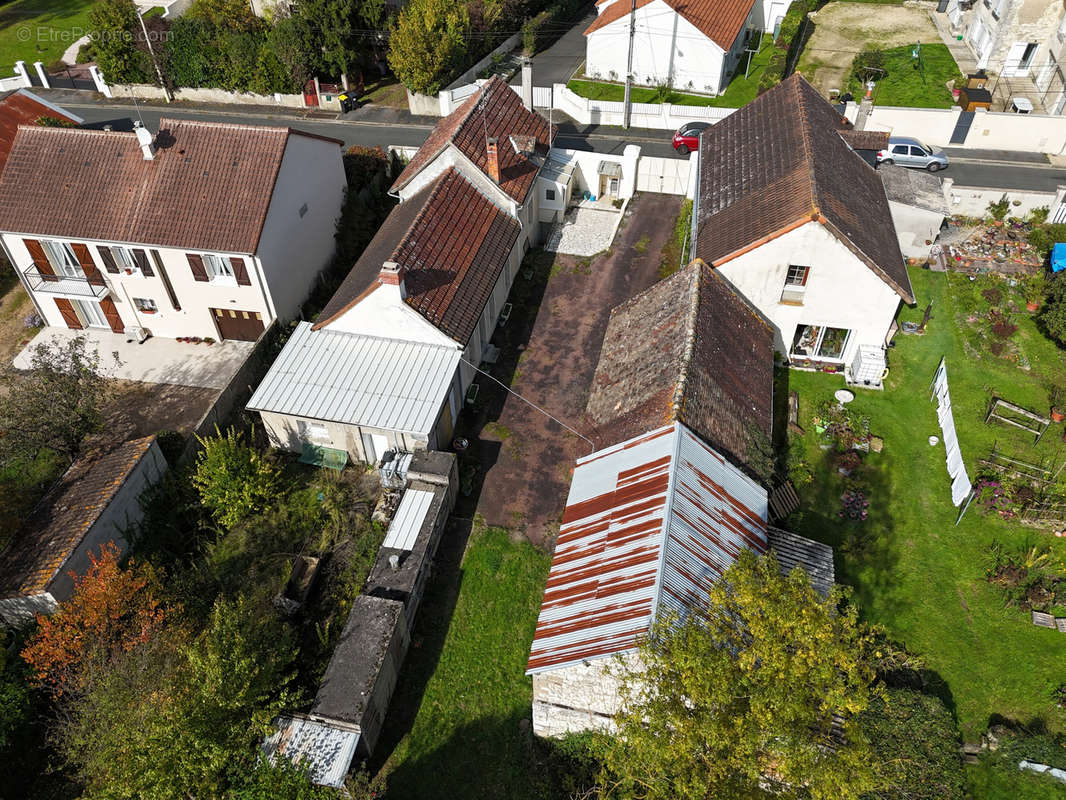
[787,38]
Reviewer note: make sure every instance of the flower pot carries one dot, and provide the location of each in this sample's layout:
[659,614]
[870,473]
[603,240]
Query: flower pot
[1057,416]
[1032,305]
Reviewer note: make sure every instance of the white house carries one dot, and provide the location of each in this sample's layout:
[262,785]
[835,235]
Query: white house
[206,229]
[388,361]
[94,503]
[695,45]
[800,225]
[683,389]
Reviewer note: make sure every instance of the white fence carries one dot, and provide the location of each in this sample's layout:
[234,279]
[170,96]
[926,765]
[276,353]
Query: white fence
[972,201]
[664,175]
[991,130]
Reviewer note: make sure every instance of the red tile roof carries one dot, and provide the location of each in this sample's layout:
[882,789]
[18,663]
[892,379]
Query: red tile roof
[691,349]
[495,111]
[780,162]
[208,188]
[721,21]
[61,520]
[453,245]
[25,108]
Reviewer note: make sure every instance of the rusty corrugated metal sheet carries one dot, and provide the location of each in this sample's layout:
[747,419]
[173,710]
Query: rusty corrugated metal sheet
[650,521]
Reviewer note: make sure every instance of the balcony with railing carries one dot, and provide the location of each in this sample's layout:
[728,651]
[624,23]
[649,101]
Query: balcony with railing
[65,285]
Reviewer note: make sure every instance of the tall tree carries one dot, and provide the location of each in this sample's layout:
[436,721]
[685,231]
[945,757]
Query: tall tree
[115,30]
[325,27]
[427,40]
[233,478]
[111,611]
[758,692]
[56,405]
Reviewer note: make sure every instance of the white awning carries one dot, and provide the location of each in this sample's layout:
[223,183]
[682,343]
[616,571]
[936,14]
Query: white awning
[390,384]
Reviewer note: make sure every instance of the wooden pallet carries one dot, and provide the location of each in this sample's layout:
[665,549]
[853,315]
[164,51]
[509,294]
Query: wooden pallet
[783,501]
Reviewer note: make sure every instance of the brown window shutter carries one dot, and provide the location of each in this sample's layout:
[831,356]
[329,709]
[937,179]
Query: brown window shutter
[40,260]
[196,264]
[107,305]
[88,266]
[108,258]
[69,317]
[166,280]
[140,258]
[240,271]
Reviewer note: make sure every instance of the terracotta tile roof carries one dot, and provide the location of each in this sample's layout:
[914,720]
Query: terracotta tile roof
[25,108]
[779,162]
[64,516]
[495,111]
[721,21]
[689,349]
[453,244]
[208,187]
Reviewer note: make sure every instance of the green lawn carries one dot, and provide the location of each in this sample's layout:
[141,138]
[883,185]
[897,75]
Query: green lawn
[985,782]
[471,735]
[34,30]
[906,85]
[740,91]
[913,570]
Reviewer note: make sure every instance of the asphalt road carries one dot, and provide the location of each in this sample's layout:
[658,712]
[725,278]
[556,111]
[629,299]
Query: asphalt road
[996,170]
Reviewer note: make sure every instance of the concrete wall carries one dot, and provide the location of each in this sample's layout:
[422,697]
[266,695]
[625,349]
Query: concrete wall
[197,95]
[666,48]
[444,103]
[578,698]
[295,247]
[972,201]
[1037,133]
[913,227]
[644,115]
[842,292]
[284,434]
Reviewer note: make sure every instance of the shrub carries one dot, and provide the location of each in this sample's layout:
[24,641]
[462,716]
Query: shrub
[532,30]
[234,480]
[1038,216]
[1053,316]
[998,208]
[1004,328]
[869,64]
[993,295]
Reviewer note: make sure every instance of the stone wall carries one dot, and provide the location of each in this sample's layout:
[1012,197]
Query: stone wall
[578,698]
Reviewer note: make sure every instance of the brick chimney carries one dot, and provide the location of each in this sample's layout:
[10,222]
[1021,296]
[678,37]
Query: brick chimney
[392,275]
[493,159]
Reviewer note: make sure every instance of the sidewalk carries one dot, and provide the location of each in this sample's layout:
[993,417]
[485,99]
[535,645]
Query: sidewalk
[1002,156]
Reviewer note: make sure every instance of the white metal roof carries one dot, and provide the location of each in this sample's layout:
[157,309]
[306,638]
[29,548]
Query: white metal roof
[650,522]
[355,379]
[327,750]
[407,522]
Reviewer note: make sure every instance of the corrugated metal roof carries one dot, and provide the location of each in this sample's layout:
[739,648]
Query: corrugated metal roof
[648,522]
[793,550]
[407,522]
[358,380]
[328,750]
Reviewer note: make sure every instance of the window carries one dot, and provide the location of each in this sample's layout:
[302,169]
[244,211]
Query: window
[218,267]
[144,305]
[899,149]
[549,194]
[795,284]
[92,316]
[819,341]
[61,256]
[315,431]
[917,151]
[124,259]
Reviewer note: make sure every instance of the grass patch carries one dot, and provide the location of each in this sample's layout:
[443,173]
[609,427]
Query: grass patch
[641,244]
[913,570]
[741,90]
[471,736]
[675,245]
[386,92]
[906,85]
[35,31]
[989,781]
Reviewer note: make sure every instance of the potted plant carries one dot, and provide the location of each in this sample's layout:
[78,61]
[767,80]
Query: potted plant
[208,341]
[1057,396]
[196,340]
[1035,291]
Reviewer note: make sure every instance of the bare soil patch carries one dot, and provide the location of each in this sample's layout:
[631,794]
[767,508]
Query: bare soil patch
[843,29]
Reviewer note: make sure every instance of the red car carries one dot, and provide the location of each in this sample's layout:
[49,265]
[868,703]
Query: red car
[687,137]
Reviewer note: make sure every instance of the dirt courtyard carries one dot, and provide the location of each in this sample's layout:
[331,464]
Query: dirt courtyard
[841,30]
[526,457]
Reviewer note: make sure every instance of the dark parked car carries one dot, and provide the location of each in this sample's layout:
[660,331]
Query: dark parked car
[687,137]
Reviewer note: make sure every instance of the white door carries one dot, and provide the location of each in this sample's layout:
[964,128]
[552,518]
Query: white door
[91,314]
[1012,65]
[374,447]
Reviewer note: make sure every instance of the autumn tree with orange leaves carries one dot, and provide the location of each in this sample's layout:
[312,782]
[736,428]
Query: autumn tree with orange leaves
[111,611]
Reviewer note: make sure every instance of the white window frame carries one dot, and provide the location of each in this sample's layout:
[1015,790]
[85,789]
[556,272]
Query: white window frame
[314,431]
[87,319]
[816,349]
[61,257]
[145,305]
[218,269]
[795,287]
[124,259]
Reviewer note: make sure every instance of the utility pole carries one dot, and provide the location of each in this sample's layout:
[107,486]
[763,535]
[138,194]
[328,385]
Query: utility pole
[629,66]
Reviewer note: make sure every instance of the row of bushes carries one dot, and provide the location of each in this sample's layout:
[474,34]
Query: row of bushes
[786,44]
[542,29]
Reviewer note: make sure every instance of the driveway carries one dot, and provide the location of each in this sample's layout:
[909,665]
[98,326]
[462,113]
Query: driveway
[526,457]
[583,232]
[561,60]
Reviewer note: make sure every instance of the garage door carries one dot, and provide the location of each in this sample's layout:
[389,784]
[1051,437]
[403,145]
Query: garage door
[233,324]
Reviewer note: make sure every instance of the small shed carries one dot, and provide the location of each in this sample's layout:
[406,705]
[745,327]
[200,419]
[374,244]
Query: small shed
[918,206]
[327,749]
[95,502]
